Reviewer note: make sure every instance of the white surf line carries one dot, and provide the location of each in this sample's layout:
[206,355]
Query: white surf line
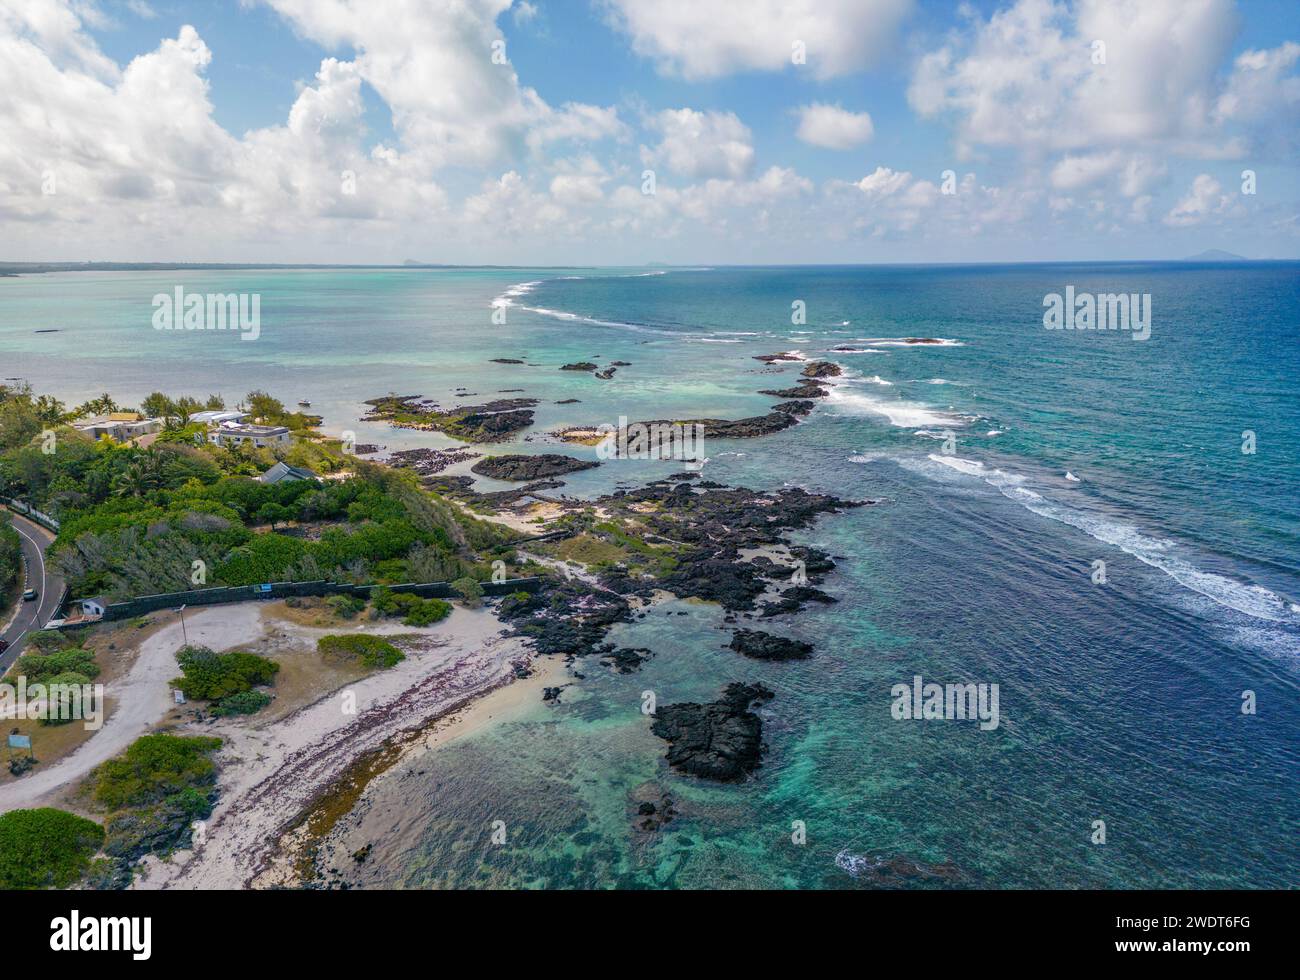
[1248,599]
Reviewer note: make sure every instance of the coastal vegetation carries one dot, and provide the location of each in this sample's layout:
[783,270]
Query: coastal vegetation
[11,565]
[46,848]
[225,679]
[369,651]
[152,794]
[183,513]
[414,610]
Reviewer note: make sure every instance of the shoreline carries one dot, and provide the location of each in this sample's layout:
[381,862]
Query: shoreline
[271,777]
[314,844]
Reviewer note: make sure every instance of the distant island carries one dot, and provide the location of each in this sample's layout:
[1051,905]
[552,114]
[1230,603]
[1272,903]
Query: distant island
[1216,255]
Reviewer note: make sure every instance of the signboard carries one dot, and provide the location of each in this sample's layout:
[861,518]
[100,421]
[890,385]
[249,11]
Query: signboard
[20,742]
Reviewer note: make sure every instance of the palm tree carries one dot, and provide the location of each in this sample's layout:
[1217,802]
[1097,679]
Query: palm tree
[142,476]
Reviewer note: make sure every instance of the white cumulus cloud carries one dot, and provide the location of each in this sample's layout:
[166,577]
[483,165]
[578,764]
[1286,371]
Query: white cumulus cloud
[833,127]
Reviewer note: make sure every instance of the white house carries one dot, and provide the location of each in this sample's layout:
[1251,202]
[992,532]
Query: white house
[217,417]
[238,434]
[121,426]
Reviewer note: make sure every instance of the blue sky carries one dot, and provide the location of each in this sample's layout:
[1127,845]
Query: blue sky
[160,117]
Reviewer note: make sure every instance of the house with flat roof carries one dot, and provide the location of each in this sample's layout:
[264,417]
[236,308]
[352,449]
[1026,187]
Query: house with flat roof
[209,417]
[121,426]
[242,434]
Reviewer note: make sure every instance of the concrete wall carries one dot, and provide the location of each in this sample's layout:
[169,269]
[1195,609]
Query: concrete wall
[284,590]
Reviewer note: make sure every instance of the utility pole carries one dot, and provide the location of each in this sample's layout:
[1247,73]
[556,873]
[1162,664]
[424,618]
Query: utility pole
[185,636]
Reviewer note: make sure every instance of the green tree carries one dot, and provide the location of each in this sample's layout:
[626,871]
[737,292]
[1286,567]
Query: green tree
[157,405]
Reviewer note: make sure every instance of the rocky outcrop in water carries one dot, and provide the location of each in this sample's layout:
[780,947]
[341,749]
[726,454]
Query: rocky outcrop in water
[722,740]
[800,407]
[427,462]
[578,366]
[822,369]
[810,390]
[522,467]
[490,422]
[766,646]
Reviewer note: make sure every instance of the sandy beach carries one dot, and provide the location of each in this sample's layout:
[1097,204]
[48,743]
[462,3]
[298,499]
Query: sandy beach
[269,775]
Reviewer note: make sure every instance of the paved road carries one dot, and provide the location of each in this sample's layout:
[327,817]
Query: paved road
[31,615]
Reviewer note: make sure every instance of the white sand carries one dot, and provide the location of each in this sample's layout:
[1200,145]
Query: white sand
[269,775]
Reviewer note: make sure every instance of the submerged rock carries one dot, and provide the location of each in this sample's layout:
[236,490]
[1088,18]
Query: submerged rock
[578,366]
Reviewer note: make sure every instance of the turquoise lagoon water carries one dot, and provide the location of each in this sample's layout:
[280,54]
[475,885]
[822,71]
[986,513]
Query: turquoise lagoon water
[1119,702]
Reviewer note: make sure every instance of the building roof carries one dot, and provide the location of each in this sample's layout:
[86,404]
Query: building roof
[124,416]
[238,429]
[283,471]
[218,415]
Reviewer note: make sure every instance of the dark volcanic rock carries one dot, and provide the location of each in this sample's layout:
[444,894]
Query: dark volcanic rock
[735,585]
[626,660]
[506,360]
[801,407]
[472,423]
[578,366]
[810,390]
[491,426]
[722,740]
[822,369]
[793,600]
[758,425]
[520,467]
[568,401]
[783,356]
[606,374]
[765,646]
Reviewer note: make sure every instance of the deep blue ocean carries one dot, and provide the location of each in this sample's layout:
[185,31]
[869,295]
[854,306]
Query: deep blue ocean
[1009,459]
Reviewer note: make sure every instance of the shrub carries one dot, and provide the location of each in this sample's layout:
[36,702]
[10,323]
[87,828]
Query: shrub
[371,651]
[40,668]
[470,591]
[212,676]
[153,768]
[346,606]
[426,612]
[69,679]
[47,640]
[243,703]
[414,610]
[45,848]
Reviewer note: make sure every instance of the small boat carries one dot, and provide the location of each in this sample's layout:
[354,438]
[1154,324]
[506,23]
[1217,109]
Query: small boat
[305,404]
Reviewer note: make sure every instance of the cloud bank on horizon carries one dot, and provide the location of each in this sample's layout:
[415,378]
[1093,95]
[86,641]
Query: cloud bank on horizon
[615,131]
